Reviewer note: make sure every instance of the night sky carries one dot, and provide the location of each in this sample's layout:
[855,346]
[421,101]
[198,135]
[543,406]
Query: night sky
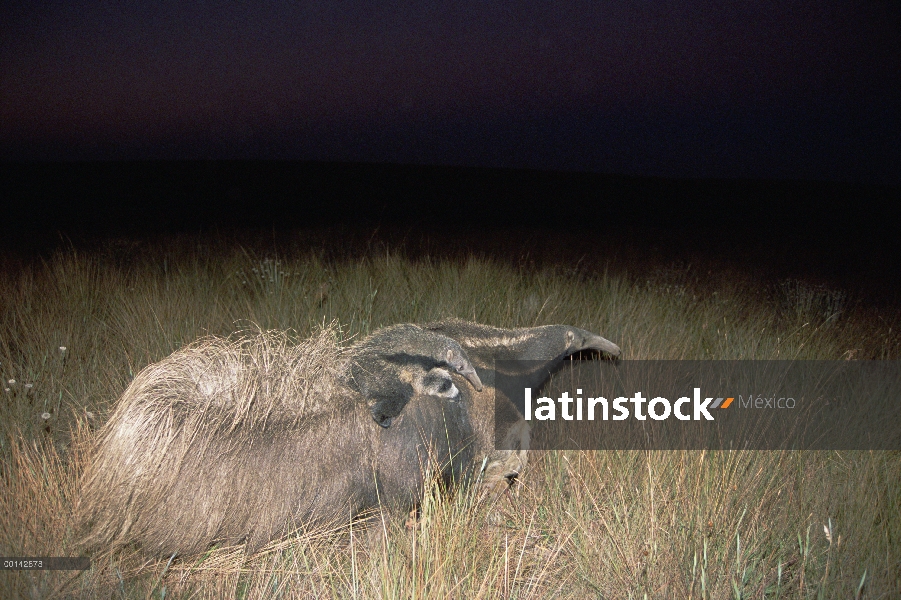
[748,89]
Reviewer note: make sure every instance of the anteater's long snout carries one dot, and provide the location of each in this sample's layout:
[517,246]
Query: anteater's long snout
[596,342]
[471,376]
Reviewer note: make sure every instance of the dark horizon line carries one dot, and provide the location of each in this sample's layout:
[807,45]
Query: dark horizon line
[450,167]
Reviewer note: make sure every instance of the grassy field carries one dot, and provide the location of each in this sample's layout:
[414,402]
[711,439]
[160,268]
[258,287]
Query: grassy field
[78,323]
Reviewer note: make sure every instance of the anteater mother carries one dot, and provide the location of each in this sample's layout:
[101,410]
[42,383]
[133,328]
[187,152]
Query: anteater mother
[243,440]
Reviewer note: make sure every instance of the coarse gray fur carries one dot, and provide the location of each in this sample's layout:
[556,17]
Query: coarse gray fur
[545,348]
[387,366]
[244,440]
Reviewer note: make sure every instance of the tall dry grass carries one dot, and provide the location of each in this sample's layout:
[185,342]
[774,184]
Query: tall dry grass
[581,524]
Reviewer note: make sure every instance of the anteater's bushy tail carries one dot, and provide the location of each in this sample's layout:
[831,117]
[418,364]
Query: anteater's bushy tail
[194,449]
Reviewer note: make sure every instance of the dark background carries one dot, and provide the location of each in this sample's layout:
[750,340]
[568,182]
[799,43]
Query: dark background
[762,89]
[765,131]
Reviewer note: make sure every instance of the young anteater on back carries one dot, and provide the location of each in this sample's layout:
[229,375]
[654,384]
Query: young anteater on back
[387,367]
